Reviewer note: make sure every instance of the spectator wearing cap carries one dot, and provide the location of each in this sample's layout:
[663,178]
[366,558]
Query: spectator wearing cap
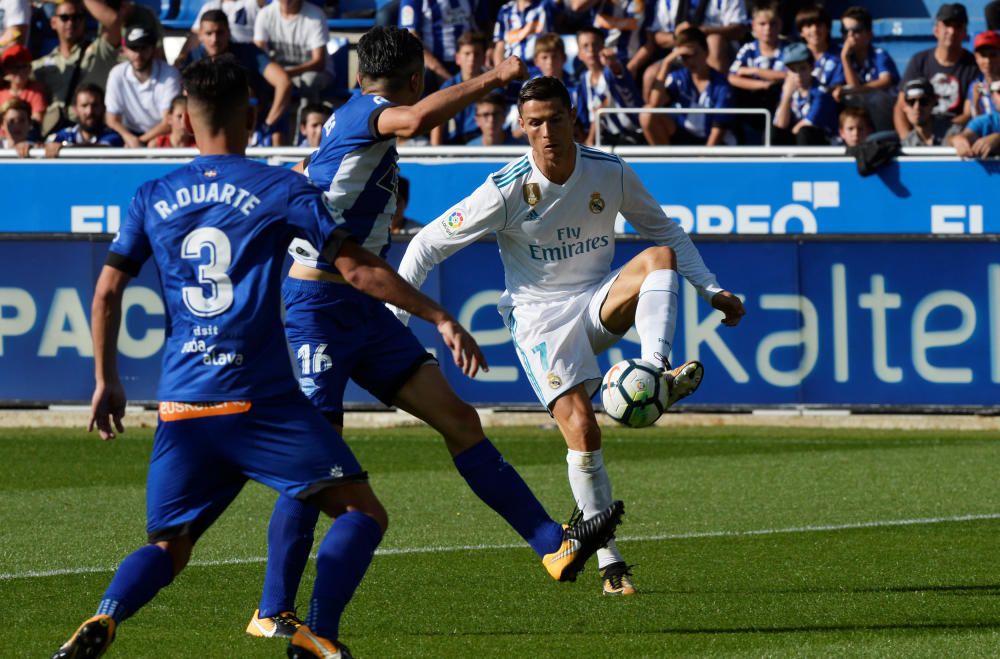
[15,126]
[119,17]
[438,24]
[854,125]
[15,22]
[919,100]
[294,34]
[75,61]
[90,128]
[869,75]
[140,91]
[16,63]
[805,110]
[470,58]
[605,83]
[693,85]
[949,67]
[272,88]
[986,48]
[814,26]
[981,138]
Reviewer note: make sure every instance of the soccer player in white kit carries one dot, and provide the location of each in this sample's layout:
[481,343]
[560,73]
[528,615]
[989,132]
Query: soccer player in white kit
[553,212]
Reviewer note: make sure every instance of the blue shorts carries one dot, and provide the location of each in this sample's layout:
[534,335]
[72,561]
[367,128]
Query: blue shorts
[203,453]
[337,332]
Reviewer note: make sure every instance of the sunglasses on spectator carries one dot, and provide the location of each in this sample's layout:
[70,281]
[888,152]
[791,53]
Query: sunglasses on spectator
[922,100]
[66,18]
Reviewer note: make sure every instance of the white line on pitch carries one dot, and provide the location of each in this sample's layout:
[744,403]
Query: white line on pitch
[395,551]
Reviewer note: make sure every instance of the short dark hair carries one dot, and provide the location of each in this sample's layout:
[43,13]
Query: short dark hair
[215,16]
[179,100]
[590,29]
[219,87]
[473,39]
[859,14]
[91,88]
[313,108]
[389,54]
[495,98]
[814,14]
[766,5]
[856,112]
[543,88]
[692,35]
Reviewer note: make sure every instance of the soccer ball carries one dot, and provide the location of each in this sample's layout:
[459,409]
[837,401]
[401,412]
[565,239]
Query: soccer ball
[633,393]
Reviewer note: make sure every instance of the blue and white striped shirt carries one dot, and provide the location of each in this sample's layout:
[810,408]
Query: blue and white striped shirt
[518,28]
[608,92]
[438,23]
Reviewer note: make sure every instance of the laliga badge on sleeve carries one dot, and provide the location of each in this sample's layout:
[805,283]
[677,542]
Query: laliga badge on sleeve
[532,193]
[596,203]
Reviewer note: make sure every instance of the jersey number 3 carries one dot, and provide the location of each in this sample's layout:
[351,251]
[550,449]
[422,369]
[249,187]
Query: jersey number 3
[211,275]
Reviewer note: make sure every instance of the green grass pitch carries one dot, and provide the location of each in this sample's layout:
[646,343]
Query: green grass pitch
[748,542]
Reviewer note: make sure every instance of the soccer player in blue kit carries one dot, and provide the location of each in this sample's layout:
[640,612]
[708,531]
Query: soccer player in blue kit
[231,408]
[356,336]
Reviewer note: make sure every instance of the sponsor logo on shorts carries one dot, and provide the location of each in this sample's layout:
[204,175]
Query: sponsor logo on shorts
[596,203]
[336,471]
[532,193]
[453,222]
[173,411]
[555,381]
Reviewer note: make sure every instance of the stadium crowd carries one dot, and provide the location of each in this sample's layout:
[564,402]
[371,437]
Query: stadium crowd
[93,72]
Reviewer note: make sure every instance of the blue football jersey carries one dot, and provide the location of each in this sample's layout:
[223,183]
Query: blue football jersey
[356,168]
[218,229]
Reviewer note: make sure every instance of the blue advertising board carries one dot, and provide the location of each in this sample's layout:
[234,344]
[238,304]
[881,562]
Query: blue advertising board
[746,196]
[829,322]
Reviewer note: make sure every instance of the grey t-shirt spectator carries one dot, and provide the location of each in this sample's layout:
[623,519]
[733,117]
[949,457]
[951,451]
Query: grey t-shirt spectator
[290,41]
[950,84]
[141,105]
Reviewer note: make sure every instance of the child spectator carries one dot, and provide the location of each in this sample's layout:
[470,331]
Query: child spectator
[15,126]
[757,72]
[869,74]
[814,26]
[625,22]
[605,83]
[490,113]
[16,62]
[919,100]
[178,137]
[855,125]
[470,58]
[90,129]
[519,25]
[949,67]
[140,91]
[805,110]
[311,126]
[550,60]
[981,138]
[695,85]
[986,49]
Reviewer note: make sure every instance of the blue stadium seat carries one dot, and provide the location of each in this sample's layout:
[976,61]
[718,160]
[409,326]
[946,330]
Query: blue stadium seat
[179,14]
[905,8]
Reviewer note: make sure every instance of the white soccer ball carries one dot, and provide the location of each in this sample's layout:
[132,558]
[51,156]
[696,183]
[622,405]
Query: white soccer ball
[633,393]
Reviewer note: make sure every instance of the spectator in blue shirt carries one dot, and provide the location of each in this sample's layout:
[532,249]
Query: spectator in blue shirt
[758,71]
[605,83]
[814,25]
[438,24]
[518,26]
[805,110]
[986,48]
[869,74]
[470,58]
[981,137]
[694,85]
[89,129]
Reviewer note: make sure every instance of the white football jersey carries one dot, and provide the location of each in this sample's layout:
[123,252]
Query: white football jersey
[555,240]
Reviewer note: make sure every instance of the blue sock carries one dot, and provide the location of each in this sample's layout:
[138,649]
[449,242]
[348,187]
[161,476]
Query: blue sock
[289,541]
[344,556]
[500,486]
[140,576]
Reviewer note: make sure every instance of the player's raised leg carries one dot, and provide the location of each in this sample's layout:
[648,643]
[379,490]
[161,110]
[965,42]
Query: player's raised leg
[645,294]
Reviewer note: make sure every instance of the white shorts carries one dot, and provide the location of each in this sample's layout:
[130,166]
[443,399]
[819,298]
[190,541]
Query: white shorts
[558,342]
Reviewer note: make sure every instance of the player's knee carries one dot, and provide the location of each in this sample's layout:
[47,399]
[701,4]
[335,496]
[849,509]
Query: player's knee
[465,428]
[179,549]
[582,434]
[659,257]
[376,511]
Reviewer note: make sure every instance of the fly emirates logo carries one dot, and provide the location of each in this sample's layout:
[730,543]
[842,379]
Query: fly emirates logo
[568,244]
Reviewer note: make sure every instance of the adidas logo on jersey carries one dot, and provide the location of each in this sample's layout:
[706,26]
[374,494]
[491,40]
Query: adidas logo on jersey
[532,216]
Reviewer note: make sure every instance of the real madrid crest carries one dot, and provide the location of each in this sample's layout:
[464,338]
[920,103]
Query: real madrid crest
[555,381]
[596,203]
[532,193]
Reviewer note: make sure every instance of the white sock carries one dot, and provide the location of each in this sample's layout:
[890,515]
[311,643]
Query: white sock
[656,314]
[592,490]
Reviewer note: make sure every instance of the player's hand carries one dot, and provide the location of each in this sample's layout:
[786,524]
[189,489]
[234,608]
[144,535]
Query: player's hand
[464,349]
[511,69]
[730,305]
[107,407]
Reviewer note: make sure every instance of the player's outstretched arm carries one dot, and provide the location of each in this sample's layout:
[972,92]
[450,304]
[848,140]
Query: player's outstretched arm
[372,275]
[437,108]
[107,406]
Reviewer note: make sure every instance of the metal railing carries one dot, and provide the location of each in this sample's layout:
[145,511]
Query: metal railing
[751,111]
